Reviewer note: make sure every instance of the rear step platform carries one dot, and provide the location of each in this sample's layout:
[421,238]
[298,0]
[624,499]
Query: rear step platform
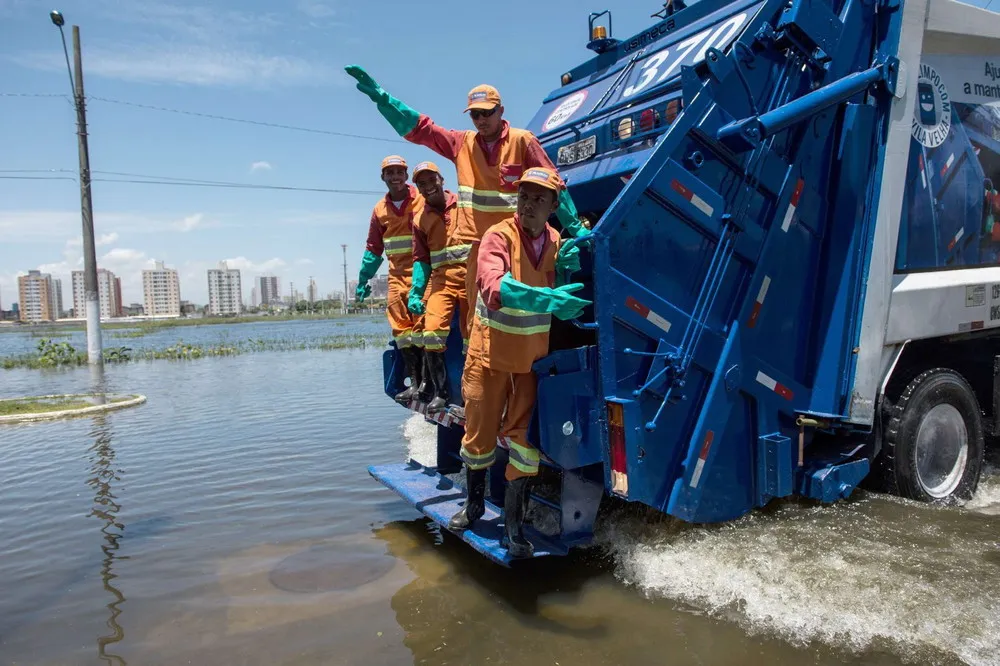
[438,498]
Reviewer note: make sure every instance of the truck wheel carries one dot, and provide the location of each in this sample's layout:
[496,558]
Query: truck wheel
[934,439]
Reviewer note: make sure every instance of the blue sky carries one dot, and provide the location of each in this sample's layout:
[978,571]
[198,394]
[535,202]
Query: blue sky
[256,61]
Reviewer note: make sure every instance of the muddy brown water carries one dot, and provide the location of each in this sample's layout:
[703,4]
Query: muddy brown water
[230,520]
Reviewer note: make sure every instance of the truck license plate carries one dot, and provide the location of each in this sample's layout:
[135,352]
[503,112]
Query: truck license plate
[577,152]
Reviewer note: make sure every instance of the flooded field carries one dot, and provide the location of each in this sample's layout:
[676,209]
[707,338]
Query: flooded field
[230,519]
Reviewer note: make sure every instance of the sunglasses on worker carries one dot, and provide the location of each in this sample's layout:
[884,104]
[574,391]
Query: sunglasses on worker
[476,114]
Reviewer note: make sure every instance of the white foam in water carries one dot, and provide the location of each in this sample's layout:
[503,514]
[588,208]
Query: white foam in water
[422,439]
[866,574]
[987,497]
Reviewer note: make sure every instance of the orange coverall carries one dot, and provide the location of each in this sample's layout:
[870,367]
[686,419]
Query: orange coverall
[498,384]
[391,231]
[436,243]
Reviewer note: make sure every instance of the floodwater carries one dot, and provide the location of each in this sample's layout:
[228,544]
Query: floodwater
[230,520]
[15,342]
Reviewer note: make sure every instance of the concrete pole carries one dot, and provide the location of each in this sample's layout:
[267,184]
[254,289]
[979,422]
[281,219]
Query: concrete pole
[91,293]
[344,248]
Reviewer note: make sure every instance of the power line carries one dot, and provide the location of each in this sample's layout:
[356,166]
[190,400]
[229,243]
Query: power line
[242,186]
[246,121]
[9,94]
[147,179]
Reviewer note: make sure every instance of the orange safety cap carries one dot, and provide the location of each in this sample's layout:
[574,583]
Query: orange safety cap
[426,166]
[393,160]
[541,176]
[483,97]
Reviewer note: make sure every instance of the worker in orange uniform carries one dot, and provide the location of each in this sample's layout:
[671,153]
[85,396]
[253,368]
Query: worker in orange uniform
[439,257]
[390,231]
[515,299]
[489,161]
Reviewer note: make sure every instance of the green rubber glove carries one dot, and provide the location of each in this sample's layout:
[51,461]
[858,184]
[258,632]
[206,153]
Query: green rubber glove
[421,272]
[402,118]
[559,302]
[568,216]
[568,259]
[370,263]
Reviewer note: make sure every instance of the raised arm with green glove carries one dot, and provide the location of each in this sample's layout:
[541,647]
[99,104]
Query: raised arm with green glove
[421,273]
[568,216]
[402,118]
[369,266]
[559,301]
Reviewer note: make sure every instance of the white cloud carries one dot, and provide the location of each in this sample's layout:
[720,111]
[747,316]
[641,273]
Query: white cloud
[316,10]
[191,45]
[303,262]
[190,222]
[105,239]
[260,166]
[251,267]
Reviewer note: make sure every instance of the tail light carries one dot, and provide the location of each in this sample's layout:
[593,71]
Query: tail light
[648,119]
[616,442]
[672,110]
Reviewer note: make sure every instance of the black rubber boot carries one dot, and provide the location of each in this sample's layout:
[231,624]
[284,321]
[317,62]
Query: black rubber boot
[475,507]
[425,392]
[439,373]
[515,506]
[412,358]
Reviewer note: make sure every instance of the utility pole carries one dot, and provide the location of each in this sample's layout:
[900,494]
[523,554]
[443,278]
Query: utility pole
[344,248]
[90,290]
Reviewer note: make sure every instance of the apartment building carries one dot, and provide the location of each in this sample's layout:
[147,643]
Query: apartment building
[35,295]
[161,289]
[268,290]
[225,291]
[108,292]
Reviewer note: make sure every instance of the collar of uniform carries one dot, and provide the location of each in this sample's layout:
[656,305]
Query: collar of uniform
[492,155]
[528,243]
[411,193]
[450,201]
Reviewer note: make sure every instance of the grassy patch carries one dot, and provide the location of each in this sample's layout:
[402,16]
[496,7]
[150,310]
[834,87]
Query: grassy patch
[51,354]
[32,406]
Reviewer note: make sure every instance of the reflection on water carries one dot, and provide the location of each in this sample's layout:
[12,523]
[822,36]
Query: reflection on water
[106,509]
[235,515]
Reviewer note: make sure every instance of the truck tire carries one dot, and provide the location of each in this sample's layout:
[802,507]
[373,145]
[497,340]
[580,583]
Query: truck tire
[933,448]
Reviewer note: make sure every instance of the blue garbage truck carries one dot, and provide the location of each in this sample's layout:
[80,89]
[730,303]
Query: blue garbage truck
[794,268]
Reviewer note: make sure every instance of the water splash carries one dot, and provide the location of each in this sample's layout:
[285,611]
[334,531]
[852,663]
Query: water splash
[868,574]
[421,438]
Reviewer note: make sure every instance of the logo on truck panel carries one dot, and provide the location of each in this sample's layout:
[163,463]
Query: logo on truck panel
[565,110]
[932,115]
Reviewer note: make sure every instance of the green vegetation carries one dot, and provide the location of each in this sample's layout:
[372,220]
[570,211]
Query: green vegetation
[40,405]
[62,354]
[133,328]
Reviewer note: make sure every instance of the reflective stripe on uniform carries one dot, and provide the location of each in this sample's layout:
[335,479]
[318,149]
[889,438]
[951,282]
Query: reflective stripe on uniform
[454,254]
[485,200]
[398,245]
[404,339]
[434,340]
[477,461]
[524,458]
[512,320]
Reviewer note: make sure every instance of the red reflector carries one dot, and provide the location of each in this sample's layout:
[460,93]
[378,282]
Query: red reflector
[616,442]
[616,437]
[647,119]
[673,108]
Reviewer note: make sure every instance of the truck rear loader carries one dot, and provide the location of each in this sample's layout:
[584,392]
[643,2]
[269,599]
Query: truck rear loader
[794,268]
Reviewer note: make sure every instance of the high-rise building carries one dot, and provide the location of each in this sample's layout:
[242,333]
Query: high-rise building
[107,291]
[254,298]
[225,292]
[380,286]
[118,297]
[268,290]
[56,299]
[35,294]
[311,291]
[161,290]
